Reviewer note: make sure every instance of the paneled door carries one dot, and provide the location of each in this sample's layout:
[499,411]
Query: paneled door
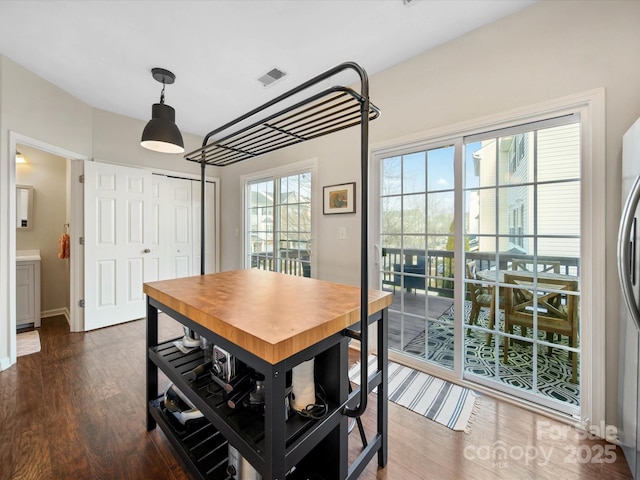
[117,243]
[180,236]
[172,227]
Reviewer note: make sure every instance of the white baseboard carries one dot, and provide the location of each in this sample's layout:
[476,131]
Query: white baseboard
[4,363]
[54,312]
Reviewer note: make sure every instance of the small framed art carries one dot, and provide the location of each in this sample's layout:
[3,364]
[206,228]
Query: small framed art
[339,198]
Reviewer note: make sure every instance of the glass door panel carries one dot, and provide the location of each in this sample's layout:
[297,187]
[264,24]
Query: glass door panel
[417,237]
[522,225]
[279,224]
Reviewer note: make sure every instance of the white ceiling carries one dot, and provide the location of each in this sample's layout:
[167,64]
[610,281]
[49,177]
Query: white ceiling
[102,52]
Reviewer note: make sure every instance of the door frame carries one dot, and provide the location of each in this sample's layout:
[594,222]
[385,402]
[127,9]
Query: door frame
[76,287]
[294,168]
[152,170]
[591,106]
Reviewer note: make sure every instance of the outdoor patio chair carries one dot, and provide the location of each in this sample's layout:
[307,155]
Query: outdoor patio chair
[481,296]
[556,311]
[527,266]
[415,280]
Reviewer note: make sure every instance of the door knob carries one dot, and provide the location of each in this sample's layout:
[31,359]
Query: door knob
[146,250]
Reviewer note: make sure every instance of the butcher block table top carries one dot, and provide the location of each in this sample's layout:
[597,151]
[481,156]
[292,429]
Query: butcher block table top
[269,314]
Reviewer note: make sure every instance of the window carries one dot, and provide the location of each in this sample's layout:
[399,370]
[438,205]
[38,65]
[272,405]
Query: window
[278,224]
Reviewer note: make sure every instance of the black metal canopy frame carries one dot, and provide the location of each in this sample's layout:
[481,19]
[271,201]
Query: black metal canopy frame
[328,111]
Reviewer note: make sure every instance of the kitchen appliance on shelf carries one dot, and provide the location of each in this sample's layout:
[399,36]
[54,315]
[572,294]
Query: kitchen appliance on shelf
[191,338]
[629,273]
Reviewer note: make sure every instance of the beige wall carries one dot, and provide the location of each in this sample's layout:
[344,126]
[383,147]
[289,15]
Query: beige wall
[34,107]
[547,51]
[47,174]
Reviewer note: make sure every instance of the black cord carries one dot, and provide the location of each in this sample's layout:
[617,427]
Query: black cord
[315,411]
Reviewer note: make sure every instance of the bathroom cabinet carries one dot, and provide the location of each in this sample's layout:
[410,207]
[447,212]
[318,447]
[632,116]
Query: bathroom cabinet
[28,288]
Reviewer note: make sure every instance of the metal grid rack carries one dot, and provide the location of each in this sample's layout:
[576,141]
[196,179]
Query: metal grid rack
[327,112]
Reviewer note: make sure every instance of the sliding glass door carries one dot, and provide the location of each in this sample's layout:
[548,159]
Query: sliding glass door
[504,234]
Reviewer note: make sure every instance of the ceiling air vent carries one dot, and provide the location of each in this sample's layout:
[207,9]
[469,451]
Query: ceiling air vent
[271,76]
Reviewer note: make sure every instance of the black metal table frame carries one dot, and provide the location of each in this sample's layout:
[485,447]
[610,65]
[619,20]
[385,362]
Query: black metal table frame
[277,459]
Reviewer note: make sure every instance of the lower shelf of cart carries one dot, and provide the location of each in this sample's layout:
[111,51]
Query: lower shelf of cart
[247,423]
[203,448]
[198,443]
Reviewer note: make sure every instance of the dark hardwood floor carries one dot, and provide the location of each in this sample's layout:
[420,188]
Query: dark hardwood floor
[76,410]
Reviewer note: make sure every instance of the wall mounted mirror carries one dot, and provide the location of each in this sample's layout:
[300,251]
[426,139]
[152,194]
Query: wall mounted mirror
[24,207]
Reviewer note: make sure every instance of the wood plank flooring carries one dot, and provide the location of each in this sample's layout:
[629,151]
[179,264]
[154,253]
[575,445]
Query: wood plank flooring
[76,410]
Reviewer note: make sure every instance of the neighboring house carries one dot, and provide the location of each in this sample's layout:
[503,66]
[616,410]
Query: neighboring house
[557,210]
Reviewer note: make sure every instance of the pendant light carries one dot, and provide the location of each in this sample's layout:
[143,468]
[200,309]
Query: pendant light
[161,133]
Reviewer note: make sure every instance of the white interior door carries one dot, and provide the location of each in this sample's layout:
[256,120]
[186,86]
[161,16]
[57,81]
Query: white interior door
[157,267]
[180,227]
[117,220]
[172,228]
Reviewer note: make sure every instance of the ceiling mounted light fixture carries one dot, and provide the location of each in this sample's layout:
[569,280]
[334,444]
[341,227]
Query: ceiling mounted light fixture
[161,133]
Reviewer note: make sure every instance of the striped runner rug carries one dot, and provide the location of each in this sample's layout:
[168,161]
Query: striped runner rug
[443,402]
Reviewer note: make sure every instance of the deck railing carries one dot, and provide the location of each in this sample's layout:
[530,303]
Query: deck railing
[292,262]
[435,270]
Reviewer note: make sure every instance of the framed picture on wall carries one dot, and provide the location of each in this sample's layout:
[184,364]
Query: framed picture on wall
[339,198]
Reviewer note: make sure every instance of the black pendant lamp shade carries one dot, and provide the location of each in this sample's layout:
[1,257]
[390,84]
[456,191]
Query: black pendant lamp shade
[161,133]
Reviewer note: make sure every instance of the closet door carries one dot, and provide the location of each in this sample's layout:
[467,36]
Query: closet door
[117,243]
[139,227]
[180,228]
[173,228]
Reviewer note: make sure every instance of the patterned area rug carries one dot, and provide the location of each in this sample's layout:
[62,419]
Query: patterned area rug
[27,343]
[443,402]
[554,370]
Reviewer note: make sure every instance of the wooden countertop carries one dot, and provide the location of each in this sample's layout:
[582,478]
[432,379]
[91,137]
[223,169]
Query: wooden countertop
[272,315]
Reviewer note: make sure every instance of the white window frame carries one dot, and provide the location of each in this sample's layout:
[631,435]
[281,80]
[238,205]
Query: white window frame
[591,107]
[278,172]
